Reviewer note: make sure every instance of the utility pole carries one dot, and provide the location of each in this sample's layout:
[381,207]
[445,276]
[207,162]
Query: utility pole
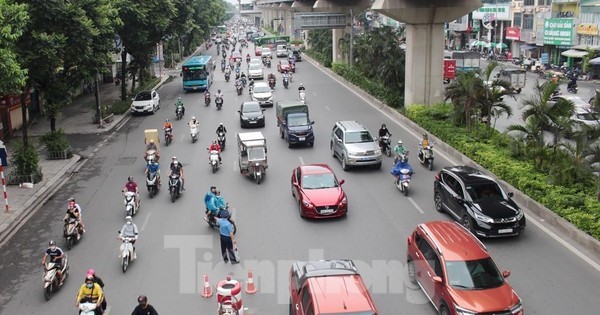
[351,38]
[97,96]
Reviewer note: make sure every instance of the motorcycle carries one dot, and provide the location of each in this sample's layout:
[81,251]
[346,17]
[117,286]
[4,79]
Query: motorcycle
[174,189]
[403,180]
[179,112]
[268,63]
[425,156]
[572,88]
[247,59]
[219,102]
[401,157]
[272,83]
[126,252]
[152,183]
[221,140]
[194,133]
[302,96]
[258,172]
[244,81]
[207,99]
[130,207]
[211,219]
[239,88]
[222,67]
[168,136]
[87,308]
[286,82]
[214,160]
[51,281]
[227,76]
[384,144]
[72,232]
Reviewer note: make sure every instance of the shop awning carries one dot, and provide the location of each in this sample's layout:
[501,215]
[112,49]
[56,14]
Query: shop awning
[586,47]
[573,53]
[595,61]
[528,47]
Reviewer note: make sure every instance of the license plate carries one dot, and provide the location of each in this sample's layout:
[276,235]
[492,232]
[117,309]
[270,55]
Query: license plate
[504,231]
[301,138]
[253,122]
[326,211]
[365,159]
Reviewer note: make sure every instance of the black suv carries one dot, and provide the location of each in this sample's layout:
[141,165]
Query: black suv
[477,202]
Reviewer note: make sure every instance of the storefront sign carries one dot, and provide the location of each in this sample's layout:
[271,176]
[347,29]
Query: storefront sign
[449,69]
[500,12]
[513,33]
[587,29]
[558,32]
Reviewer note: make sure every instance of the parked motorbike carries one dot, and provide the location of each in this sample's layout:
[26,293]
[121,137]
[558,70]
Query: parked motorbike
[168,136]
[174,189]
[425,156]
[221,140]
[384,144]
[213,159]
[219,102]
[87,308]
[72,232]
[194,132]
[126,252]
[152,183]
[179,112]
[286,82]
[130,208]
[302,96]
[51,281]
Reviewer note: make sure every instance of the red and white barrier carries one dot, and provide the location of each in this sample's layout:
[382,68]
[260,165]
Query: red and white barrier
[4,189]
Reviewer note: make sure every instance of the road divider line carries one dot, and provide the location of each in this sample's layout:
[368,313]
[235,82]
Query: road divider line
[414,203]
[327,108]
[301,160]
[146,220]
[314,93]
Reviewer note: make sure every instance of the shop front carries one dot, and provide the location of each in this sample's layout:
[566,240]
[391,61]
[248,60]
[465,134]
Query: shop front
[558,36]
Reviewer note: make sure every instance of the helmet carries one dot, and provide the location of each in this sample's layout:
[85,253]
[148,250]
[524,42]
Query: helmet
[167,120]
[71,199]
[424,136]
[219,91]
[89,278]
[130,179]
[51,243]
[142,299]
[90,272]
[301,84]
[128,218]
[221,124]
[214,141]
[174,158]
[400,142]
[383,126]
[179,98]
[193,117]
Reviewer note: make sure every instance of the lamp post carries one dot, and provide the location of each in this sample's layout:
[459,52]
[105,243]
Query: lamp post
[351,38]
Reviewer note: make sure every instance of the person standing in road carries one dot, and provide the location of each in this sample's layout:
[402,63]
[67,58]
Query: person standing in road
[228,244]
[143,307]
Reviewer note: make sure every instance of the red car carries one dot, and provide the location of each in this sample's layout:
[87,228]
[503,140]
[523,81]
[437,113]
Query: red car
[234,57]
[285,65]
[258,51]
[318,192]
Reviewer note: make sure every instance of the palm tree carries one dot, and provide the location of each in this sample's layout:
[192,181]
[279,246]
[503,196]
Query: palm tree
[533,137]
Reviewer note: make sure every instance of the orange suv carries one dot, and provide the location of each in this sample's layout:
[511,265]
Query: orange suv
[456,272]
[328,287]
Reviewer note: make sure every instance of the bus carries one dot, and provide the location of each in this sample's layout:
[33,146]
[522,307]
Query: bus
[271,41]
[197,73]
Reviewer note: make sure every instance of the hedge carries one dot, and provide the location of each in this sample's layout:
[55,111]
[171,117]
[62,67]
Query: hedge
[580,207]
[373,87]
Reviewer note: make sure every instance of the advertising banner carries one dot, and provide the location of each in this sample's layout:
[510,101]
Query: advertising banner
[558,32]
[513,33]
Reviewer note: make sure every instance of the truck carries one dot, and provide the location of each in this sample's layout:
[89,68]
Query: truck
[516,78]
[294,123]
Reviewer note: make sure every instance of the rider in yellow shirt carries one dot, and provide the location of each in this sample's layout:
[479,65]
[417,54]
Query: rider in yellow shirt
[90,292]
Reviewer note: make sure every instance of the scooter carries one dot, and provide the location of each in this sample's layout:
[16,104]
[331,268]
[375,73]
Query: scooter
[258,172]
[194,132]
[150,155]
[222,67]
[425,156]
[168,136]
[207,99]
[286,82]
[130,208]
[239,88]
[244,81]
[302,96]
[227,76]
[174,189]
[211,219]
[87,308]
[221,140]
[51,281]
[385,143]
[179,112]
[72,232]
[403,180]
[127,254]
[213,159]
[152,183]
[219,102]
[272,83]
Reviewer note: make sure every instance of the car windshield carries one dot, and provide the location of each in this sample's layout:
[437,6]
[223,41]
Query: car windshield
[195,75]
[285,63]
[485,191]
[266,50]
[256,154]
[261,89]
[254,67]
[301,120]
[319,181]
[474,274]
[143,96]
[251,108]
[358,137]
[587,116]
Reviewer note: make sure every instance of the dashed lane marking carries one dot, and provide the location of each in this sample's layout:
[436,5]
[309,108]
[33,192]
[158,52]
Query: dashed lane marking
[146,220]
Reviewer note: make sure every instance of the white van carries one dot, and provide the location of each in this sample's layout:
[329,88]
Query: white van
[282,51]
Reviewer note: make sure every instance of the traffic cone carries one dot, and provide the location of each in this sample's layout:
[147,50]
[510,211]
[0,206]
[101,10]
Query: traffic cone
[207,292]
[250,287]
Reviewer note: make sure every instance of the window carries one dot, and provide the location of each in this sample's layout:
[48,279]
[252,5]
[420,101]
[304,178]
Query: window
[518,19]
[529,2]
[434,263]
[339,134]
[527,21]
[425,248]
[474,274]
[358,137]
[305,298]
[452,184]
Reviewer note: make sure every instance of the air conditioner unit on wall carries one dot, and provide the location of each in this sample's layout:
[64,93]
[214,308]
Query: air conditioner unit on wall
[522,10]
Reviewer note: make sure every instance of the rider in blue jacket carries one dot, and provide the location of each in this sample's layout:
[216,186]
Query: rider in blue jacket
[209,200]
[220,201]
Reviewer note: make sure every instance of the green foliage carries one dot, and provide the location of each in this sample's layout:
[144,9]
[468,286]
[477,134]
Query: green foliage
[13,19]
[55,141]
[394,98]
[26,161]
[321,48]
[577,202]
[121,107]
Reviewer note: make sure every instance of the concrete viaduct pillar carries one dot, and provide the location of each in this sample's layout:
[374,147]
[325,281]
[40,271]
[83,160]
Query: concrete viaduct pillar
[424,42]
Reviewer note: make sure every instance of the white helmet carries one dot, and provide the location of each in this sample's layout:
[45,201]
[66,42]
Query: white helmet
[193,117]
[400,142]
[128,218]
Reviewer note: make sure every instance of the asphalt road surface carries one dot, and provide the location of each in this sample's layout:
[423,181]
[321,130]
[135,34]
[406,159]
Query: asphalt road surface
[176,247]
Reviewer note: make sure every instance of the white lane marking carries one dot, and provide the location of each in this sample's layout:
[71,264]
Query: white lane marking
[146,220]
[414,203]
[327,108]
[123,122]
[314,93]
[182,137]
[557,238]
[301,160]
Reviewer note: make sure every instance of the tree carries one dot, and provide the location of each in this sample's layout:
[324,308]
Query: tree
[492,103]
[465,92]
[13,18]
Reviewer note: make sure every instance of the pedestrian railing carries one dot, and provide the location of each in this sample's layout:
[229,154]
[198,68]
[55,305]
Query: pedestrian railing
[16,179]
[59,155]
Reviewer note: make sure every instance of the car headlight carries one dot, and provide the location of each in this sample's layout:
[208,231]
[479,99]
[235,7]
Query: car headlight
[244,118]
[520,214]
[377,151]
[344,201]
[352,154]
[483,218]
[463,311]
[307,203]
[515,309]
[271,98]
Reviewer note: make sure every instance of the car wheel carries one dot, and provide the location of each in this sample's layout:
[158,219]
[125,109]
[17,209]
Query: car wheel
[467,222]
[437,201]
[332,149]
[444,310]
[300,208]
[345,166]
[412,275]
[158,105]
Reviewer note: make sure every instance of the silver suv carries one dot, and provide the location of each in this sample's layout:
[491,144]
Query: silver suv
[354,145]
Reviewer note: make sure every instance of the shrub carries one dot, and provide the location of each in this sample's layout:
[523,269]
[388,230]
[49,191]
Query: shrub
[55,141]
[26,162]
[373,87]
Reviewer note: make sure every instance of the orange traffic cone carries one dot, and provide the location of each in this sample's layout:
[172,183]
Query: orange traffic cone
[207,292]
[250,287]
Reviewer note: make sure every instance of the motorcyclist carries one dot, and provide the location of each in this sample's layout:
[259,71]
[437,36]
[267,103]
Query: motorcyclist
[193,122]
[153,167]
[210,202]
[243,77]
[177,169]
[247,58]
[400,150]
[152,146]
[301,88]
[221,128]
[179,104]
[91,292]
[219,96]
[57,257]
[167,125]
[423,144]
[129,230]
[251,85]
[237,72]
[572,82]
[73,213]
[400,165]
[132,186]
[228,70]
[220,201]
[383,131]
[215,147]
[238,84]
[98,280]
[223,65]
[207,96]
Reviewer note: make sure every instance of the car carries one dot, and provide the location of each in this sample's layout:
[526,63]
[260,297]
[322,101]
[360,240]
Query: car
[477,202]
[255,61]
[296,54]
[251,115]
[255,71]
[576,100]
[258,51]
[318,192]
[262,94]
[456,272]
[353,145]
[285,65]
[586,116]
[281,51]
[266,52]
[328,287]
[235,56]
[145,102]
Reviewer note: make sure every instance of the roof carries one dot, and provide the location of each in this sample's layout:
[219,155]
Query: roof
[338,295]
[197,60]
[315,169]
[453,241]
[574,53]
[351,125]
[469,174]
[249,136]
[260,84]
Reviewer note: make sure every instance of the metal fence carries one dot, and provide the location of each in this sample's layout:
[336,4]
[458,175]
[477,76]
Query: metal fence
[59,155]
[14,179]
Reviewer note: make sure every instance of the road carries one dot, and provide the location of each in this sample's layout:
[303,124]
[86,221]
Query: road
[176,247]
